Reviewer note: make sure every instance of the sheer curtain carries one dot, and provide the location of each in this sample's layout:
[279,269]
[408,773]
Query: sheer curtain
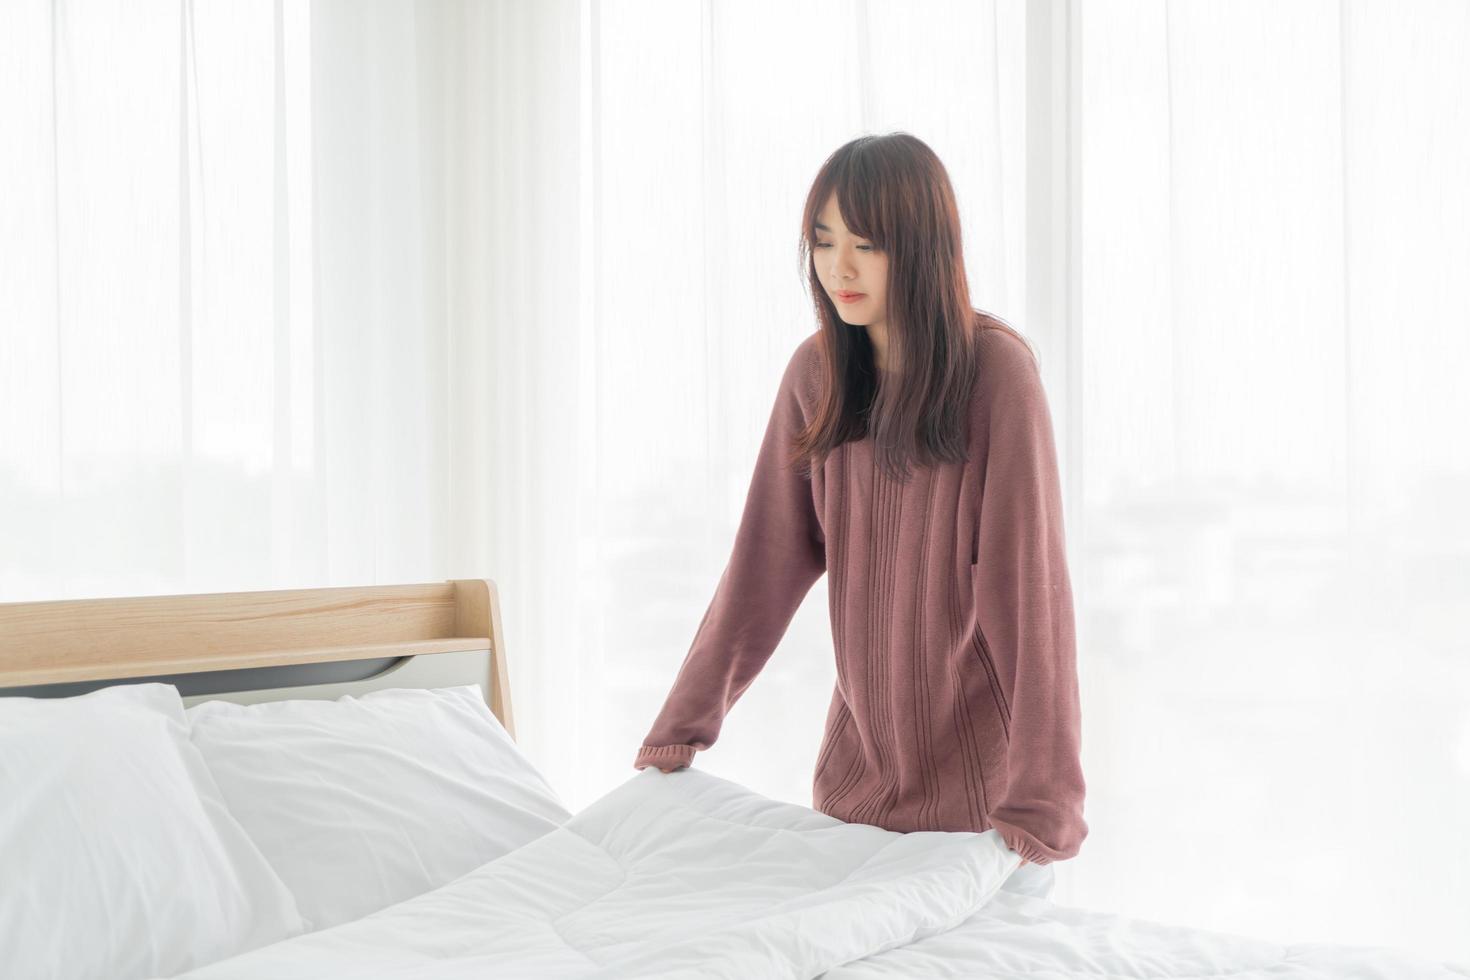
[304,294]
[223,362]
[1274,462]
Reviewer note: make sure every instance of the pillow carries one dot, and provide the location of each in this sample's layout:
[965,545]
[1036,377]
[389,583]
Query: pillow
[119,857]
[362,802]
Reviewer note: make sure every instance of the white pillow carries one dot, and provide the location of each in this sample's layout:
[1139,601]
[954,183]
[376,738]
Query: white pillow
[362,802]
[118,858]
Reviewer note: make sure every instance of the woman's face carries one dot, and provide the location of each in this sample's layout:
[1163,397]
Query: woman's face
[847,264]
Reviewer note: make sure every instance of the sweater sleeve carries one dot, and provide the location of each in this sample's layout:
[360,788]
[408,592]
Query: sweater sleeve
[779,553]
[1023,598]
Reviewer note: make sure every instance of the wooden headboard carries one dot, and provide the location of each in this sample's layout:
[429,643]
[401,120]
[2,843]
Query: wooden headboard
[218,642]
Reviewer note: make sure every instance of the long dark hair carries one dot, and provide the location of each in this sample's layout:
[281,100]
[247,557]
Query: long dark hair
[893,191]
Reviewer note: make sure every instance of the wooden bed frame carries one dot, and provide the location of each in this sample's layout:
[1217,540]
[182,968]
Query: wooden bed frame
[260,646]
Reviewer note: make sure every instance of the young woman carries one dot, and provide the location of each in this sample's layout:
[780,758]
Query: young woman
[910,456]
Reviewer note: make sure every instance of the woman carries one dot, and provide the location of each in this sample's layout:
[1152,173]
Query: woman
[910,456]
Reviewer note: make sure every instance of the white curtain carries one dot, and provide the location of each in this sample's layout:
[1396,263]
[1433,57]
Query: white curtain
[306,294]
[1273,449]
[223,362]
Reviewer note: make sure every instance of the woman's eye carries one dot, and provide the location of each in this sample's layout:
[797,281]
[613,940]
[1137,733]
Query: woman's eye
[829,245]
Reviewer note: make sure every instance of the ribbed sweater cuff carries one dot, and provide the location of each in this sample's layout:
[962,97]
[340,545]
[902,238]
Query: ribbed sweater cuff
[662,755]
[1022,843]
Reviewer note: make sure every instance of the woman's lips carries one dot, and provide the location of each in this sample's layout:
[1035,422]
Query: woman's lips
[850,297]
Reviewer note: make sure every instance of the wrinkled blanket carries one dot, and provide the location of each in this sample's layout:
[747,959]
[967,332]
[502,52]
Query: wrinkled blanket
[678,874]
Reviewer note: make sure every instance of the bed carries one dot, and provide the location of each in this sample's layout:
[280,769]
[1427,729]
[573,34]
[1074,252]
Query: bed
[325,783]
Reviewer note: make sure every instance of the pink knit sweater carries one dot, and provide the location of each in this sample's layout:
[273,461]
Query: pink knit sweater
[956,703]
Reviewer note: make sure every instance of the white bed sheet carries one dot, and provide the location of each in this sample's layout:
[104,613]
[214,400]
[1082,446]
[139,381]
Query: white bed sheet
[1024,937]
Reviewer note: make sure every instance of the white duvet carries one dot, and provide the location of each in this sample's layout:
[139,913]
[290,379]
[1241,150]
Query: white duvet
[685,874]
[677,874]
